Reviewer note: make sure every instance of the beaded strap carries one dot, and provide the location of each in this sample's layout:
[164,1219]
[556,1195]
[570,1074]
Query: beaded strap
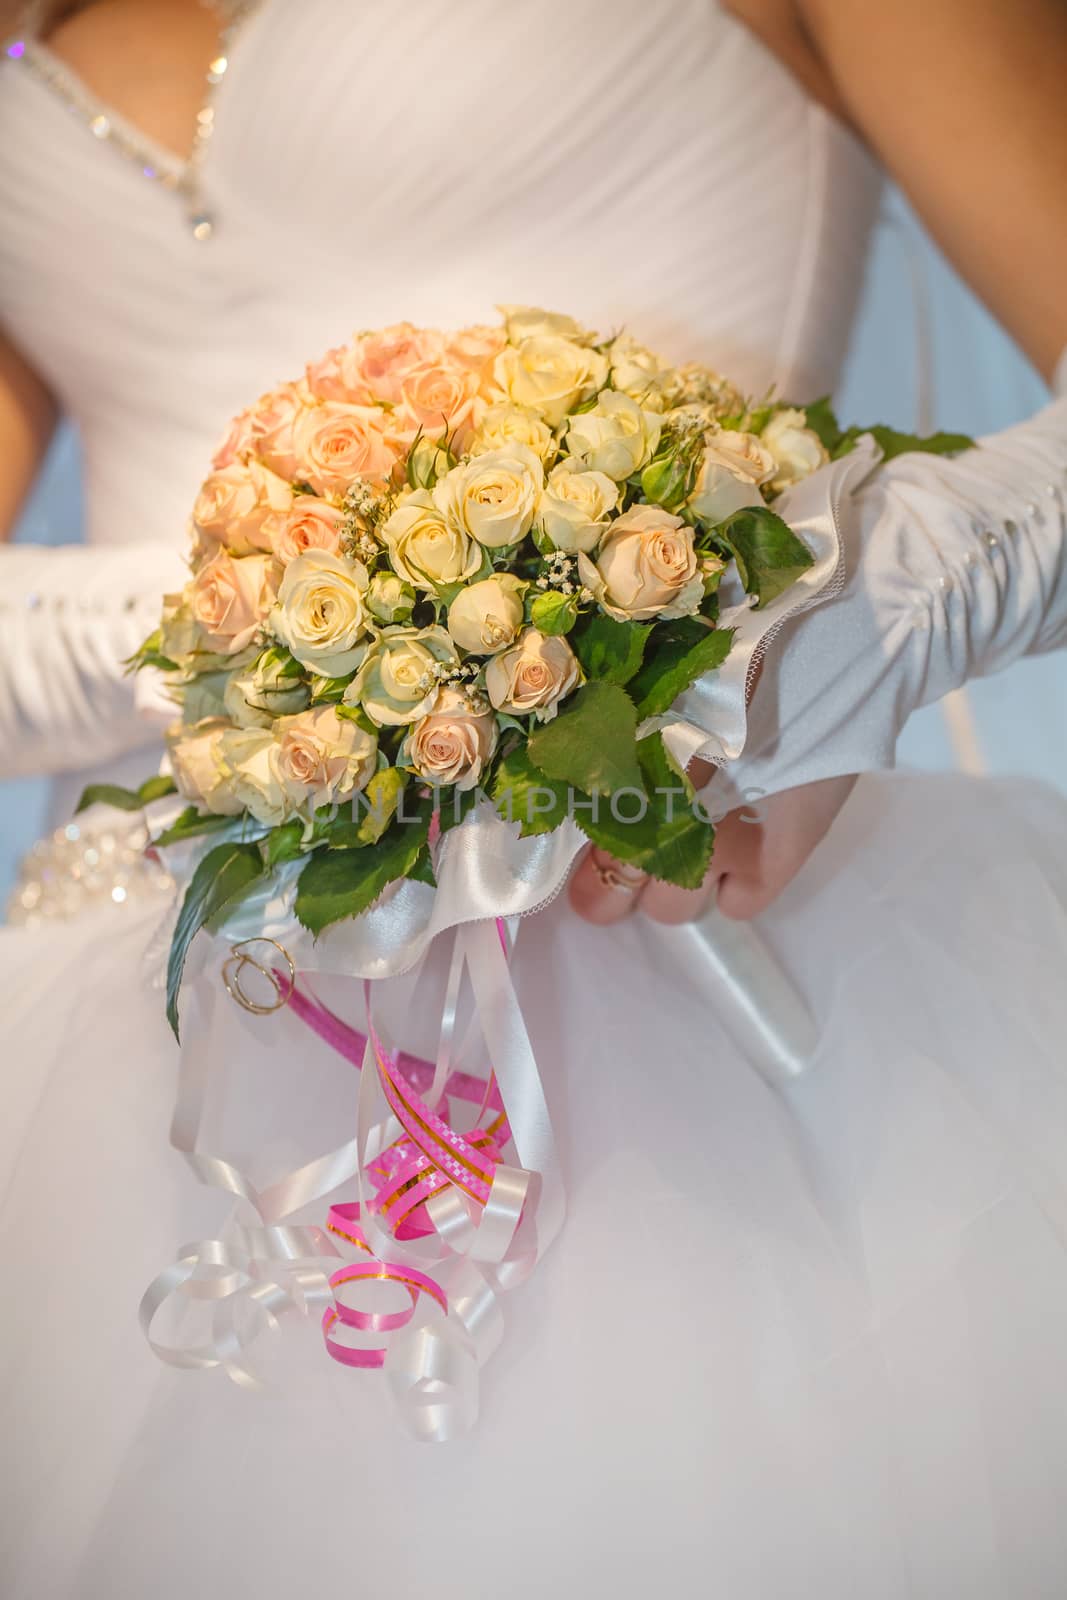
[158,165]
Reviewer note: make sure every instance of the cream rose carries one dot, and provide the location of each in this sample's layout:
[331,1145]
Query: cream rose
[486,617]
[335,443]
[453,743]
[269,688]
[531,322]
[179,635]
[550,374]
[389,599]
[617,437]
[322,757]
[425,548]
[646,567]
[575,506]
[797,450]
[503,424]
[733,467]
[248,759]
[241,507]
[636,371]
[321,613]
[534,675]
[493,498]
[198,770]
[312,524]
[230,598]
[397,681]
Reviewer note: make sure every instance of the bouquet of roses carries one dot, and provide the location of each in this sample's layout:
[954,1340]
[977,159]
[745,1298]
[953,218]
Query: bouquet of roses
[444,573]
[444,568]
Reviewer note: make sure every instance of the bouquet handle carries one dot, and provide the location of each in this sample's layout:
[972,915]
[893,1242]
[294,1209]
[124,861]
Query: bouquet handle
[757,1003]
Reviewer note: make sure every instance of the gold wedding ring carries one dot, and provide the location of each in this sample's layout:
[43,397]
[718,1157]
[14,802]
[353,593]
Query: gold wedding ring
[616,875]
[240,958]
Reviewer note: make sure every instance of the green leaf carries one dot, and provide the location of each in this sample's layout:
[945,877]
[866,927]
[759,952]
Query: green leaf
[281,661]
[892,442]
[190,825]
[667,480]
[610,651]
[224,873]
[155,788]
[453,806]
[554,613]
[822,420]
[590,744]
[769,555]
[150,654]
[357,715]
[422,871]
[667,839]
[381,798]
[681,652]
[524,795]
[285,843]
[327,691]
[369,814]
[111,794]
[337,884]
[108,794]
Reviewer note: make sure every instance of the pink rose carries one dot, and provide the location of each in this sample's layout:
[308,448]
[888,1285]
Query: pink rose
[242,507]
[229,599]
[386,357]
[453,743]
[312,524]
[437,397]
[338,375]
[475,348]
[335,443]
[239,443]
[274,420]
[322,758]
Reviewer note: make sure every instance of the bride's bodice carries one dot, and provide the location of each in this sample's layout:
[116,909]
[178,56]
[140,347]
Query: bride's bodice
[642,165]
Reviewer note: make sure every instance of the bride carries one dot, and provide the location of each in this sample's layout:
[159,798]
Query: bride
[788,1343]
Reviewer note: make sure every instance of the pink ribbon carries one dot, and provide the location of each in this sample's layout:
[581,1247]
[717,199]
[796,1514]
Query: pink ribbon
[429,1158]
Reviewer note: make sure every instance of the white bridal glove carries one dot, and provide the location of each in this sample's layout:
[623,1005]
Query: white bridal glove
[69,618]
[954,568]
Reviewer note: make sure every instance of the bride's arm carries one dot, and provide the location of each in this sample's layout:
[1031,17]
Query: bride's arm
[69,616]
[956,568]
[963,101]
[27,422]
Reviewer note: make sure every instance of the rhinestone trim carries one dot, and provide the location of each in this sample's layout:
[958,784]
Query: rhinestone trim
[82,867]
[158,165]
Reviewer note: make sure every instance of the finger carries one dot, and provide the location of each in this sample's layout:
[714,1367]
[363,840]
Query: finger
[758,855]
[605,891]
[665,902]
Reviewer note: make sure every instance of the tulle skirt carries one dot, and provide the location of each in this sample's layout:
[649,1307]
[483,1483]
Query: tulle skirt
[796,1343]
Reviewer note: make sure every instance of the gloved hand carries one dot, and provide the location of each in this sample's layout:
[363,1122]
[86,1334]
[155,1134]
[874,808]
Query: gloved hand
[69,618]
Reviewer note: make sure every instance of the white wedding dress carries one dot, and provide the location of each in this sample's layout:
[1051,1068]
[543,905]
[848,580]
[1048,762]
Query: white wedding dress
[795,1344]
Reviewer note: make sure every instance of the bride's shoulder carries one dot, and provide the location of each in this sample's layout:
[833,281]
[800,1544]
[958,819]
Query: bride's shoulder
[781,26]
